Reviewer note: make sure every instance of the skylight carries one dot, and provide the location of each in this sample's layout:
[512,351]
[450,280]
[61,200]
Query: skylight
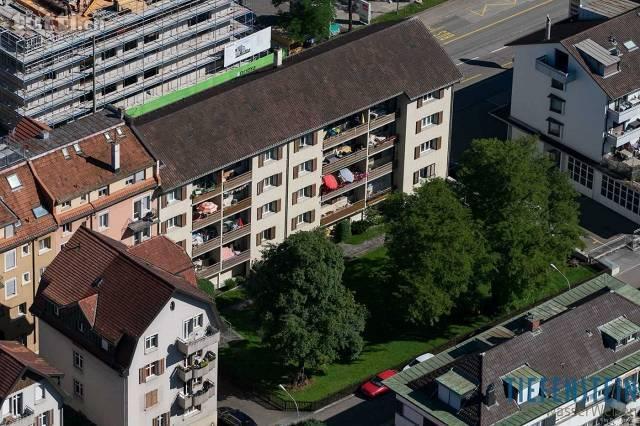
[630,45]
[40,211]
[14,181]
[76,148]
[107,136]
[119,132]
[65,152]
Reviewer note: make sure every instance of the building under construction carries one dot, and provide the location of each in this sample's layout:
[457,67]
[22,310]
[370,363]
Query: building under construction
[61,59]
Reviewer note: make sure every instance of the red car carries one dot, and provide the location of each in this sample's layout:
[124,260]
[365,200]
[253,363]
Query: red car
[374,387]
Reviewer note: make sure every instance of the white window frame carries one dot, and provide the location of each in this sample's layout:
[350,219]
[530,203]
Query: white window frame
[269,183]
[16,402]
[304,141]
[303,167]
[428,121]
[265,235]
[14,182]
[27,252]
[302,193]
[103,192]
[65,205]
[270,155]
[171,196]
[15,260]
[148,342]
[145,206]
[9,231]
[141,236]
[196,321]
[78,360]
[269,208]
[41,393]
[83,198]
[6,288]
[130,180]
[67,228]
[28,279]
[100,217]
[172,222]
[47,242]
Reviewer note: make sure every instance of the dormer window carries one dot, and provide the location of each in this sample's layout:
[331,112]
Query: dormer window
[619,332]
[14,182]
[522,384]
[453,388]
[40,211]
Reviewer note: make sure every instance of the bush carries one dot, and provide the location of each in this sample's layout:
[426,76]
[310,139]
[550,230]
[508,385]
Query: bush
[229,283]
[343,230]
[360,226]
[206,286]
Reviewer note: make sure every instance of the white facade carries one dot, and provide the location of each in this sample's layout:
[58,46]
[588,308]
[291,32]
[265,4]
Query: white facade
[39,400]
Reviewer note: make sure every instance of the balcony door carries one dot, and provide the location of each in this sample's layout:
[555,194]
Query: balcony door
[190,326]
[15,405]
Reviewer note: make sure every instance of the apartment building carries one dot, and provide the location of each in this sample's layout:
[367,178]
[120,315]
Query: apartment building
[62,60]
[136,340]
[577,89]
[316,139]
[29,389]
[517,372]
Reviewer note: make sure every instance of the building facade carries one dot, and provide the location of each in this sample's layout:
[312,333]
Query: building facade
[287,155]
[575,88]
[136,340]
[30,391]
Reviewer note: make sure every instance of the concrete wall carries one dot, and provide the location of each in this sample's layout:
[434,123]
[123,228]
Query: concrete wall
[52,401]
[177,208]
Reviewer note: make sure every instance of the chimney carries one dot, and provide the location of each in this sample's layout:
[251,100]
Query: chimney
[278,57]
[115,156]
[547,29]
[490,395]
[44,134]
[533,322]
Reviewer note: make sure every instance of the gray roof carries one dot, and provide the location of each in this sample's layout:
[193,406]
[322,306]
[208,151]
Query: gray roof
[609,8]
[456,382]
[597,52]
[620,328]
[521,375]
[227,123]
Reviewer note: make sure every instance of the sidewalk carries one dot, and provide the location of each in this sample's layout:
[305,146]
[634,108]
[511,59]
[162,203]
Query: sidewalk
[352,251]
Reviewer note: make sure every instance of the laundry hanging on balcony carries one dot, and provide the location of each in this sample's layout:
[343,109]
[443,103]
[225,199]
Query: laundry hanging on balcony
[330,182]
[346,175]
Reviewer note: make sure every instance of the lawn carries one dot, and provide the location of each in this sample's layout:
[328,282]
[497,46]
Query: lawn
[371,232]
[406,11]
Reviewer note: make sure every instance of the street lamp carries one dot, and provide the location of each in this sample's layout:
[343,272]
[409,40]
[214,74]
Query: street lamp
[560,272]
[292,398]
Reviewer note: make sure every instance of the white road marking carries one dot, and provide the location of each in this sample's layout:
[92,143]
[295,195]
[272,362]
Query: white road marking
[498,49]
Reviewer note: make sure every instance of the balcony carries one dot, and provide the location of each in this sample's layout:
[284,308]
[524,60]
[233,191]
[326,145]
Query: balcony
[380,170]
[25,419]
[625,110]
[359,179]
[235,181]
[197,370]
[198,341]
[381,120]
[234,234]
[381,145]
[336,163]
[236,260]
[378,196]
[237,207]
[203,194]
[147,219]
[335,216]
[207,246]
[208,271]
[546,66]
[342,136]
[621,135]
[203,220]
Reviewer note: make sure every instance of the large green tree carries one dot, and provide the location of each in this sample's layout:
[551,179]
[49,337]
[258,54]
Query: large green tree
[308,18]
[435,249]
[528,212]
[308,318]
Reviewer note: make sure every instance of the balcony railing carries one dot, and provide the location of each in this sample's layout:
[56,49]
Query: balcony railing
[205,195]
[211,244]
[237,207]
[197,370]
[236,181]
[381,146]
[197,342]
[345,161]
[545,65]
[381,170]
[234,234]
[24,419]
[345,188]
[145,221]
[382,120]
[619,136]
[206,220]
[236,260]
[345,135]
[626,110]
[209,271]
[342,213]
[378,196]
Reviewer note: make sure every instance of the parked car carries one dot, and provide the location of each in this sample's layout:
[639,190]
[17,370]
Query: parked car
[418,360]
[228,416]
[374,387]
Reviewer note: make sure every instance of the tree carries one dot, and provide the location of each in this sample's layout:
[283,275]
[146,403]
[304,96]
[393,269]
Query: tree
[309,319]
[308,18]
[528,212]
[434,248]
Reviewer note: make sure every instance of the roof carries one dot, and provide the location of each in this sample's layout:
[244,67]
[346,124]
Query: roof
[563,348]
[521,376]
[128,293]
[620,328]
[28,128]
[597,52]
[17,205]
[15,361]
[239,119]
[609,8]
[76,174]
[167,255]
[456,382]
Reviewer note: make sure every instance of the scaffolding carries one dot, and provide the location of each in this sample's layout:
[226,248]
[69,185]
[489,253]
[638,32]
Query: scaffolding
[122,53]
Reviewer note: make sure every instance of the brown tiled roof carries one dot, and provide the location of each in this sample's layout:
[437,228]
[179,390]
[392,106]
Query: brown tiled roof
[130,292]
[69,178]
[27,128]
[230,122]
[624,28]
[167,255]
[89,306]
[20,203]
[15,361]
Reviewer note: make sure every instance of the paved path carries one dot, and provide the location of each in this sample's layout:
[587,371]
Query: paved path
[356,250]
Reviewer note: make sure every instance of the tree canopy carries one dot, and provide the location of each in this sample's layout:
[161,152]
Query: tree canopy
[527,210]
[307,316]
[308,18]
[434,247]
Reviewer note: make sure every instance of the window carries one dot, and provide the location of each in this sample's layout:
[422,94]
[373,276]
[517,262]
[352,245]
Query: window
[10,260]
[172,222]
[14,181]
[162,420]
[270,182]
[429,97]
[620,193]
[130,180]
[430,120]
[9,231]
[304,218]
[22,309]
[104,343]
[55,309]
[141,207]
[269,234]
[16,405]
[557,84]
[151,72]
[151,37]
[428,172]
[272,154]
[78,389]
[151,343]
[110,53]
[305,192]
[51,75]
[83,197]
[26,250]
[151,398]
[103,220]
[130,80]
[44,244]
[109,89]
[139,176]
[130,45]
[26,278]
[199,18]
[104,191]
[191,324]
[306,140]
[153,369]
[78,360]
[41,392]
[39,212]
[271,207]
[555,127]
[65,205]
[556,104]
[10,289]
[80,325]
[580,172]
[306,167]
[67,228]
[141,236]
[429,145]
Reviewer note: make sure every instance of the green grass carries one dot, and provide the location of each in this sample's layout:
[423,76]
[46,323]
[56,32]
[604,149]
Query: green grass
[230,297]
[207,286]
[407,11]
[370,233]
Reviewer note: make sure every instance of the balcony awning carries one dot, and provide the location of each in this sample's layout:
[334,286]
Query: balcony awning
[330,181]
[140,225]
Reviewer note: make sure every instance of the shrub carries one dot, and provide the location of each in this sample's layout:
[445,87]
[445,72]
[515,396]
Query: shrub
[229,283]
[206,286]
[343,230]
[360,226]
